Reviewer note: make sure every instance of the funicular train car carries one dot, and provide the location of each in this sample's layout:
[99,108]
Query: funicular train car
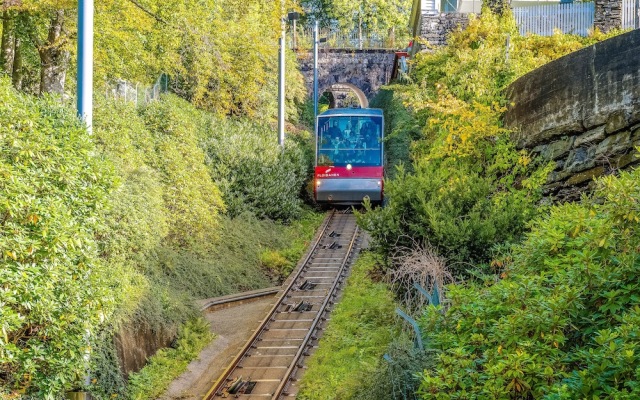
[349,164]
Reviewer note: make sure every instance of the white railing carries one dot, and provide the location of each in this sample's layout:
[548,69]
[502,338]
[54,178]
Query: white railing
[630,14]
[136,93]
[354,40]
[543,19]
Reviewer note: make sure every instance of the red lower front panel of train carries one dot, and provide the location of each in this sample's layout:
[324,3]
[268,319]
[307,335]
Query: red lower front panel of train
[348,184]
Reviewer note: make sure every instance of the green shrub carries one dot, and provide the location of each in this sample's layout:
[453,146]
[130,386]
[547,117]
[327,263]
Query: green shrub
[401,129]
[56,293]
[563,321]
[253,172]
[279,263]
[467,188]
[191,199]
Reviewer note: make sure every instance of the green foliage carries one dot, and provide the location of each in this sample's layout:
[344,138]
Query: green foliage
[221,54]
[168,364]
[361,327]
[56,293]
[191,199]
[372,15]
[399,375]
[279,263]
[563,321]
[253,172]
[468,188]
[400,129]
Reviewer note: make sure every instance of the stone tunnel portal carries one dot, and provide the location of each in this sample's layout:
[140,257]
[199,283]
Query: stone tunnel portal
[339,95]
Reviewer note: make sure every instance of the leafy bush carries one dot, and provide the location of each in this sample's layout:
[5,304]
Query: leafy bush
[164,221]
[400,128]
[361,327]
[253,172]
[279,263]
[468,188]
[563,321]
[191,199]
[55,293]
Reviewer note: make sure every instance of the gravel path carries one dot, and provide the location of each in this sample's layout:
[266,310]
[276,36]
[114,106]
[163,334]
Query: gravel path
[233,327]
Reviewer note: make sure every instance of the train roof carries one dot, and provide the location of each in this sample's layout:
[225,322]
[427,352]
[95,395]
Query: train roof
[374,112]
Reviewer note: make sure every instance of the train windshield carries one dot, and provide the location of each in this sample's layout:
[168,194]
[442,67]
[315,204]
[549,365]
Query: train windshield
[355,140]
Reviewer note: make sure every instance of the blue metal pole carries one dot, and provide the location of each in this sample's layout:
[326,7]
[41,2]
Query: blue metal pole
[281,99]
[315,70]
[85,62]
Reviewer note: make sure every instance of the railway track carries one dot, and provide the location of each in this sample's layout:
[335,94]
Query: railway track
[270,364]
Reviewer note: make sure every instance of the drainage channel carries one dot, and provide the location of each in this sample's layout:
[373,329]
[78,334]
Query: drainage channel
[272,361]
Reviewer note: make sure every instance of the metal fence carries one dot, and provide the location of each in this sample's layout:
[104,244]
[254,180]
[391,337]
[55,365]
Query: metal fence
[337,39]
[630,14]
[544,19]
[136,93]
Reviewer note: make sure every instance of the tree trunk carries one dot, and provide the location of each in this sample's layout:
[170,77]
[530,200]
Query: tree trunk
[54,58]
[360,39]
[7,44]
[392,38]
[17,74]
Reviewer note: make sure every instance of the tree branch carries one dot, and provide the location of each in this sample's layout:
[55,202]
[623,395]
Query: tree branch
[146,11]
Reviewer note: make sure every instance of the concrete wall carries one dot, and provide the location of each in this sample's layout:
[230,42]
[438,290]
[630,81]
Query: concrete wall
[136,343]
[366,69]
[582,111]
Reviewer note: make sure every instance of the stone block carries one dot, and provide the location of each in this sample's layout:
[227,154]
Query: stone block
[551,188]
[614,144]
[557,176]
[616,121]
[593,136]
[585,176]
[626,159]
[580,159]
[555,150]
[635,132]
[595,119]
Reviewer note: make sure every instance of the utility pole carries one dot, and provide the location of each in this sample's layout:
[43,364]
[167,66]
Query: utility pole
[315,70]
[85,62]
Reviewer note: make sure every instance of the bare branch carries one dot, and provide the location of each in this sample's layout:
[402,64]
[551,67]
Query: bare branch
[421,265]
[148,12]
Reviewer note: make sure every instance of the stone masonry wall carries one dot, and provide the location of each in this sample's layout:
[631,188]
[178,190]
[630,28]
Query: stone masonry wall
[581,111]
[365,69]
[436,28]
[608,15]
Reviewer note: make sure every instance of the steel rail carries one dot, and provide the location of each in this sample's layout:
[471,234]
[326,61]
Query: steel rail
[312,330]
[219,383]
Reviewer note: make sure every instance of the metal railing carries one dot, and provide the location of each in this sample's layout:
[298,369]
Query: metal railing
[355,40]
[136,93]
[544,19]
[630,14]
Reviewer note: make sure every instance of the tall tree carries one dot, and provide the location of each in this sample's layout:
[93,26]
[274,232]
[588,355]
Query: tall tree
[350,15]
[7,44]
[54,54]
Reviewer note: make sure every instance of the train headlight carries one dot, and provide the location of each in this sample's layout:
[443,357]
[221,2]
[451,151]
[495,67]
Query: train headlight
[379,183]
[349,167]
[318,182]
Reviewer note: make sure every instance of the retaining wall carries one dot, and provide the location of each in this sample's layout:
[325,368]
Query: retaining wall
[581,111]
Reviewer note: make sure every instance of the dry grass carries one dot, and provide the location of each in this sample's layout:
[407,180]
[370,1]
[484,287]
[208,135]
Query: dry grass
[422,265]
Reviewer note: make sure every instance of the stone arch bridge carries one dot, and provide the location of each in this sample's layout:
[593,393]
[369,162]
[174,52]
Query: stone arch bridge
[361,71]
